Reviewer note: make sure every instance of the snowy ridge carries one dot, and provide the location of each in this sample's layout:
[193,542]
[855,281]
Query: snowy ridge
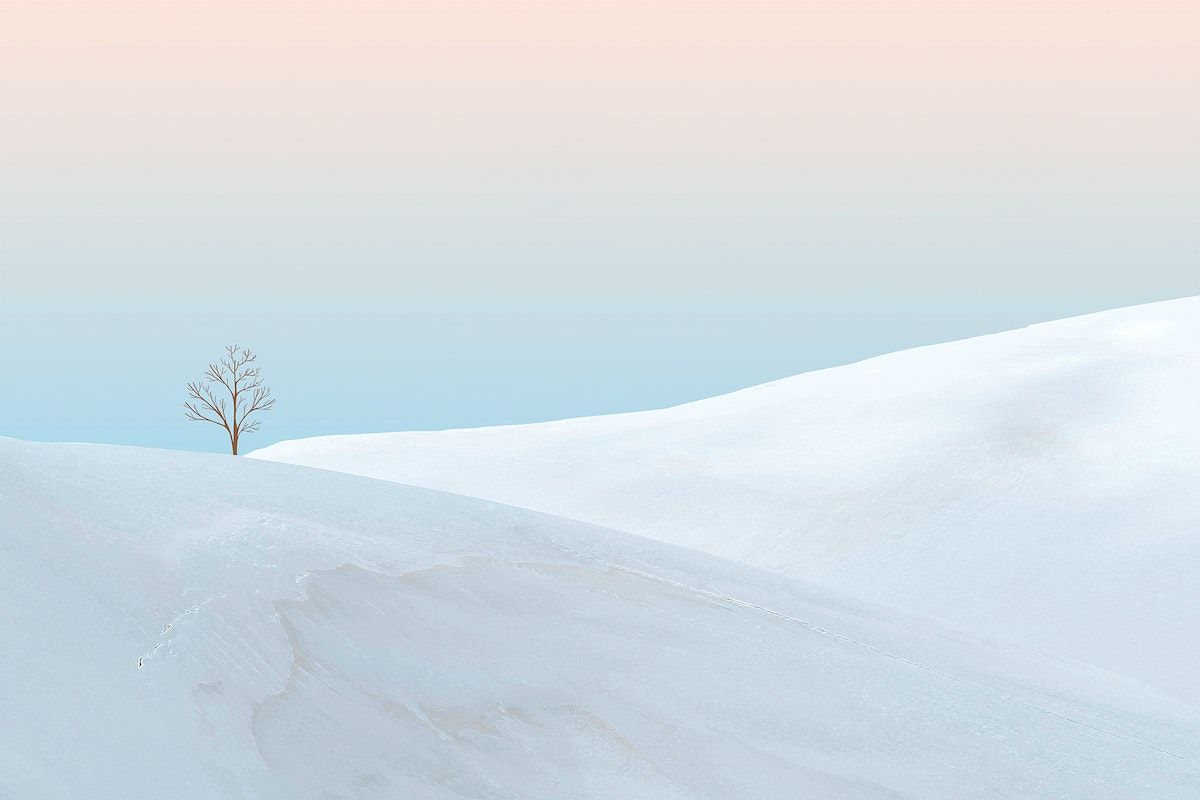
[1036,486]
[194,626]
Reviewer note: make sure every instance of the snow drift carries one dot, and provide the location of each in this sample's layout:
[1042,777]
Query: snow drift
[189,626]
[1039,485]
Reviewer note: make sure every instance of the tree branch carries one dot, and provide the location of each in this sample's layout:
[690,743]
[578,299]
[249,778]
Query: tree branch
[244,388]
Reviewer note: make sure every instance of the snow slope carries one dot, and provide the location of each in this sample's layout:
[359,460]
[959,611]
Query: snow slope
[1038,485]
[190,626]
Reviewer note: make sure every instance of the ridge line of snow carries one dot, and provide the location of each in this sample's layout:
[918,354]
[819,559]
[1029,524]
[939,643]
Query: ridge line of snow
[874,649]
[256,453]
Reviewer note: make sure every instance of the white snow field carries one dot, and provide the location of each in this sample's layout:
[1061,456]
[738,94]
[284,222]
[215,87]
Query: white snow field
[195,626]
[1039,486]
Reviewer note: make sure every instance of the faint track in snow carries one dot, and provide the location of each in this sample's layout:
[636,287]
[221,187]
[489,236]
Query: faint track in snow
[171,626]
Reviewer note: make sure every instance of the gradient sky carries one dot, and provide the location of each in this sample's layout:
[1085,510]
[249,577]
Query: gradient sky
[449,214]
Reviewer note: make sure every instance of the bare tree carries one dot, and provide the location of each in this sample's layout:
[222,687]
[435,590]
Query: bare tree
[229,393]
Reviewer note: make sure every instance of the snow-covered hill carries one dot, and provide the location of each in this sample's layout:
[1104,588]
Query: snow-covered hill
[189,626]
[1039,485]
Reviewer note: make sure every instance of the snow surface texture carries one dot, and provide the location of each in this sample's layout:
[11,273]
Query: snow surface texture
[192,626]
[1037,486]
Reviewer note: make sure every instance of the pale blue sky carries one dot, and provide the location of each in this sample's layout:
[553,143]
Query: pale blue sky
[455,233]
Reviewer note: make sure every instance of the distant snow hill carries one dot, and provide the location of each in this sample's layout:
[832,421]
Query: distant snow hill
[190,626]
[1040,486]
